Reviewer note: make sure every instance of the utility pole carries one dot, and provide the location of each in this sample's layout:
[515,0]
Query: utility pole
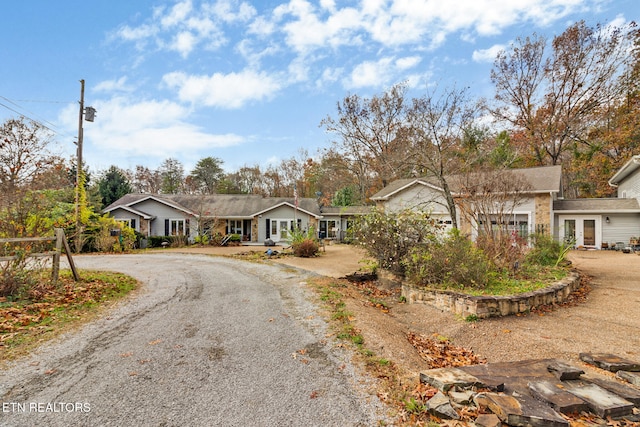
[90,112]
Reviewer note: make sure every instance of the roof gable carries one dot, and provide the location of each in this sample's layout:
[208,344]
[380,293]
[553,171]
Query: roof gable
[543,179]
[219,205]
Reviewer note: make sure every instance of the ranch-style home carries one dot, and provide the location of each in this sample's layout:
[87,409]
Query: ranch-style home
[253,217]
[589,223]
[533,211]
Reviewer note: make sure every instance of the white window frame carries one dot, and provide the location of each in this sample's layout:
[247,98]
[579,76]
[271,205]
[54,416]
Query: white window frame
[177,227]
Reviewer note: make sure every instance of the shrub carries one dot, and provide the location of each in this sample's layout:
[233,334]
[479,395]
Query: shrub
[172,241]
[504,249]
[109,235]
[22,273]
[454,262]
[306,248]
[201,239]
[547,251]
[389,238]
[304,243]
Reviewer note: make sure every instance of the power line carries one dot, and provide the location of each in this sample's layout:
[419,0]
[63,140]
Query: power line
[50,126]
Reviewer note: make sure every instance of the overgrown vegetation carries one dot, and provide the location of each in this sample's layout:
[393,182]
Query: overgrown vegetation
[390,238]
[411,245]
[453,261]
[43,310]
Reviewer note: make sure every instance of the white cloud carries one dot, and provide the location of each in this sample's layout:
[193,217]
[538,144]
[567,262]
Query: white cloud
[407,62]
[371,73]
[126,129]
[231,91]
[381,72]
[119,85]
[232,10]
[184,42]
[177,14]
[487,55]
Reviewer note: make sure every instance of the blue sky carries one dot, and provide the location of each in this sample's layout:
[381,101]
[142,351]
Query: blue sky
[247,81]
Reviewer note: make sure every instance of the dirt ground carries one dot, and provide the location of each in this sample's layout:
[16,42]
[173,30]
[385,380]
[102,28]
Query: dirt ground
[607,321]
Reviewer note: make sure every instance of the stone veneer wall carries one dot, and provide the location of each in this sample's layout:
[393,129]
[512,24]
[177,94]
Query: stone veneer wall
[543,210]
[492,306]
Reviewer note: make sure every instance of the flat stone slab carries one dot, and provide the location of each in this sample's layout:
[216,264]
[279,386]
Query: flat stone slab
[445,379]
[564,371]
[624,391]
[555,395]
[513,376]
[610,362]
[630,377]
[601,401]
[523,411]
[488,420]
[440,405]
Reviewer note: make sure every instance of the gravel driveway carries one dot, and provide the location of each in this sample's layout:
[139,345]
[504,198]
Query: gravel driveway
[208,342]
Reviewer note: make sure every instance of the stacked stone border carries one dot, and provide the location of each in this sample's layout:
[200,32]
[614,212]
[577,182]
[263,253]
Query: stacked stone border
[484,306]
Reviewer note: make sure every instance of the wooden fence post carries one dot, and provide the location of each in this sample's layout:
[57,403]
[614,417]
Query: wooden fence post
[67,249]
[55,271]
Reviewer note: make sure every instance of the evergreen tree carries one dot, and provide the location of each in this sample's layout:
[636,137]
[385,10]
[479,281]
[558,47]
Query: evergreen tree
[113,185]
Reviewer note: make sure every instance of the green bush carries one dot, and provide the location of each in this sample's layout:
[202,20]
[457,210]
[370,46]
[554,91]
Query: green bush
[547,251]
[454,262]
[389,238]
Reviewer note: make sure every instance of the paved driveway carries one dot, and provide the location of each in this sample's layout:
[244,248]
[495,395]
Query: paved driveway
[209,342]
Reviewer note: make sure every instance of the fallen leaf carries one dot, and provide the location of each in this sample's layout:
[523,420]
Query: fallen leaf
[155,342]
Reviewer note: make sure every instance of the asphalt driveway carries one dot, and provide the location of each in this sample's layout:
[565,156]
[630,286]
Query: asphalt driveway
[208,342]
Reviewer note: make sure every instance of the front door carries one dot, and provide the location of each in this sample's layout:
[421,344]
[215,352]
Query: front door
[280,229]
[581,231]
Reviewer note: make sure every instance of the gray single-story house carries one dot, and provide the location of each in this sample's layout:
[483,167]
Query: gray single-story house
[255,218]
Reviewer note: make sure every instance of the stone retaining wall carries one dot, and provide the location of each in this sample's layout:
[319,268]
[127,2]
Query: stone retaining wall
[492,306]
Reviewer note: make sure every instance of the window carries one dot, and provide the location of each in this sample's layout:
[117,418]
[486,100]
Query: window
[129,222]
[177,227]
[234,226]
[328,228]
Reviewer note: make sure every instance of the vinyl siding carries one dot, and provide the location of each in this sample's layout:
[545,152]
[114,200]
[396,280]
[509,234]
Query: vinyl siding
[620,228]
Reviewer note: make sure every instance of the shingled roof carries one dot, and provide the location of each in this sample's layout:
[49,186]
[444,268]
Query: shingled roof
[610,205]
[219,205]
[543,179]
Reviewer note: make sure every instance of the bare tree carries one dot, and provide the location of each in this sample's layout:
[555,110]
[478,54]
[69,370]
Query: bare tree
[144,180]
[488,200]
[370,136]
[555,98]
[437,124]
[23,153]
